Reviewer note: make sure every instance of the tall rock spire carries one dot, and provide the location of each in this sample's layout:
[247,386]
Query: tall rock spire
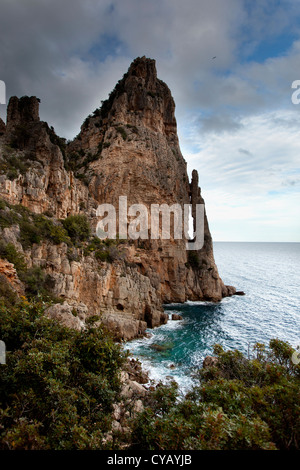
[22,111]
[134,151]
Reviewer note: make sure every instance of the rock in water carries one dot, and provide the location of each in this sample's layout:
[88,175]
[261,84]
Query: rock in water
[175,316]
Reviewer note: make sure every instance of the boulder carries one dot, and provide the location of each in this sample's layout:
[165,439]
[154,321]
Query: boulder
[7,270]
[64,314]
[175,316]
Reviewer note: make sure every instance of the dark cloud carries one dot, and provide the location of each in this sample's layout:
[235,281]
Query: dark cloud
[291,182]
[71,53]
[245,152]
[43,45]
[219,124]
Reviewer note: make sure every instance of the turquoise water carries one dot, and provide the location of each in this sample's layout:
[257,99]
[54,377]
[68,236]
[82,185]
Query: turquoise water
[269,275]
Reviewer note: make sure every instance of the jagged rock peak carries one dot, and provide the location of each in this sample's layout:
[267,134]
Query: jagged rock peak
[22,110]
[143,67]
[138,99]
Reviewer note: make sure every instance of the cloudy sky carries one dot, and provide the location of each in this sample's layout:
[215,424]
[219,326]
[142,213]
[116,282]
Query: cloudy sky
[230,65]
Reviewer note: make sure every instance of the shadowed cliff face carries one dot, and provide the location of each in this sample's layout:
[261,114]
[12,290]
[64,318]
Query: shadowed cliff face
[40,180]
[127,147]
[134,135]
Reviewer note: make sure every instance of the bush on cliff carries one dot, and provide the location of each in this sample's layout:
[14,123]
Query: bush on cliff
[78,227]
[58,385]
[33,227]
[240,403]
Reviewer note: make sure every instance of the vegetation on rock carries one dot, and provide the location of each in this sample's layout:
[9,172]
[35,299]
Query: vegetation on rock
[238,404]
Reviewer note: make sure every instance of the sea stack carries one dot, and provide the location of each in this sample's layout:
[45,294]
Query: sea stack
[140,158]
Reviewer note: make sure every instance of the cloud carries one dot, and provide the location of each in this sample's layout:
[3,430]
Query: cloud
[219,123]
[64,51]
[45,52]
[71,54]
[236,122]
[252,189]
[245,152]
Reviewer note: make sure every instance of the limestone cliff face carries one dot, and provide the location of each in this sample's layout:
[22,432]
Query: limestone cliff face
[128,147]
[134,136]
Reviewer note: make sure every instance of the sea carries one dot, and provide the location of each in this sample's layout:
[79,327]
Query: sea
[268,273]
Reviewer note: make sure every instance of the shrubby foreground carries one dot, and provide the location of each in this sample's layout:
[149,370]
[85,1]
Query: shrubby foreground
[59,386]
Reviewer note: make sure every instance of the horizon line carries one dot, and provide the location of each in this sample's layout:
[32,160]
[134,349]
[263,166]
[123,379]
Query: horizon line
[253,241]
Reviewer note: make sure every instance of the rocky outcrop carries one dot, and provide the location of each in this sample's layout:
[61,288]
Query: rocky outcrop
[131,403]
[40,181]
[8,272]
[176,316]
[68,315]
[127,147]
[21,112]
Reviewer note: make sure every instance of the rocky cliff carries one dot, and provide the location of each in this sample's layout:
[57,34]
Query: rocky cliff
[127,147]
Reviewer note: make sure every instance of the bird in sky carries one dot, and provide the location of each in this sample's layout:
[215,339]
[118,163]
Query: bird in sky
[214,57]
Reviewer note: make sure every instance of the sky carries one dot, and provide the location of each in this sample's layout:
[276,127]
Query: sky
[230,66]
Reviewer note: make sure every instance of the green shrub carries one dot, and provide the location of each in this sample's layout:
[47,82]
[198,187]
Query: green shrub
[48,230]
[12,174]
[102,255]
[9,252]
[58,386]
[78,227]
[122,131]
[58,234]
[239,404]
[7,293]
[34,279]
[8,217]
[104,250]
[33,227]
[29,234]
[37,227]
